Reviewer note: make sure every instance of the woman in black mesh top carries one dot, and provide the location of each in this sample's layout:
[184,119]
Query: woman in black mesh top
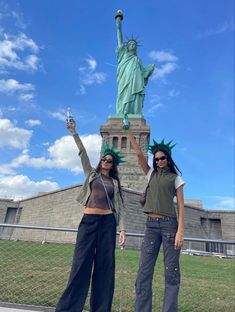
[96,238]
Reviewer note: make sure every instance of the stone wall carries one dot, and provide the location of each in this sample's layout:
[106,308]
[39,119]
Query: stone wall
[60,209]
[54,209]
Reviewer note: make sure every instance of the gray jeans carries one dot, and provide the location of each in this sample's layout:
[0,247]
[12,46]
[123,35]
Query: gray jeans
[158,231]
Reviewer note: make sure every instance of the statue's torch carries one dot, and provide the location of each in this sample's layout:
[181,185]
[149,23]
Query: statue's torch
[119,14]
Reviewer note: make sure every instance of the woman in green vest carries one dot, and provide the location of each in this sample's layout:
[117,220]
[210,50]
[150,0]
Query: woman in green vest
[164,225]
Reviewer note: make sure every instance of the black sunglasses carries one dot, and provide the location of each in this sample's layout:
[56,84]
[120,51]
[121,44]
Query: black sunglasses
[160,158]
[108,161]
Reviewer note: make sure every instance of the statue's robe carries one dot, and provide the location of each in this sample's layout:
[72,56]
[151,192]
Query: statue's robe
[131,82]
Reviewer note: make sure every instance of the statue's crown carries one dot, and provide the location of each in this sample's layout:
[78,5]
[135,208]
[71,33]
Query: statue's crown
[162,145]
[117,156]
[135,39]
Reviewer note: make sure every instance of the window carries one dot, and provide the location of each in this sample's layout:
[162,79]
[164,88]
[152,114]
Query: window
[10,219]
[10,215]
[124,142]
[115,142]
[212,227]
[215,230]
[148,139]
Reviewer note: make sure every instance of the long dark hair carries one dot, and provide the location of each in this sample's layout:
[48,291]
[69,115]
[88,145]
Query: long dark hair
[113,173]
[172,165]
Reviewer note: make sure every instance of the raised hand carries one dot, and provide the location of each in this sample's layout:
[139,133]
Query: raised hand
[71,126]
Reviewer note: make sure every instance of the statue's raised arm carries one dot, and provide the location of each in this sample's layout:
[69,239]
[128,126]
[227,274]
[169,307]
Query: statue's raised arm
[119,18]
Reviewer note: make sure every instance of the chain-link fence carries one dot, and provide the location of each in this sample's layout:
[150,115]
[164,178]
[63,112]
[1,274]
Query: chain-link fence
[36,273]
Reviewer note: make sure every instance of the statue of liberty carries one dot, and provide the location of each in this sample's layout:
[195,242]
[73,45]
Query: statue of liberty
[132,77]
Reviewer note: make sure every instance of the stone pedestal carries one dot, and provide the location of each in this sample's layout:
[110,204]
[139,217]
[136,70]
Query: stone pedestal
[131,174]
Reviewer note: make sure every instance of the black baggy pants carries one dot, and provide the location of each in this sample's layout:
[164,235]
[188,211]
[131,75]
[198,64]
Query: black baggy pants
[95,248]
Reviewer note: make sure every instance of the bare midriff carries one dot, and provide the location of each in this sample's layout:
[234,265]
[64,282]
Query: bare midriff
[155,215]
[88,210]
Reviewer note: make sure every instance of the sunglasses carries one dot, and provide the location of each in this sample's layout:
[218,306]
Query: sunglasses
[160,158]
[108,161]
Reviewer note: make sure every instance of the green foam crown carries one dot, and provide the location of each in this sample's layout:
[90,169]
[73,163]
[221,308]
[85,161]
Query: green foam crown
[117,156]
[162,145]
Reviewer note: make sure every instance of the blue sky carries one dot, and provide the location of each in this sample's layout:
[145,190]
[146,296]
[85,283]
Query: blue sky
[60,53]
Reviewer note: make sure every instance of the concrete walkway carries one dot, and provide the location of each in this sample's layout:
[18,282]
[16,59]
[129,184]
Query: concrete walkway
[8,307]
[11,307]
[3,309]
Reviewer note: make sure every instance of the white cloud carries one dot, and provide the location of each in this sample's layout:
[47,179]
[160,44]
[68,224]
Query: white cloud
[94,78]
[19,19]
[155,98]
[32,122]
[62,154]
[92,63]
[16,16]
[82,89]
[173,92]
[88,75]
[12,109]
[12,136]
[26,97]
[59,115]
[153,109]
[32,62]
[168,63]
[6,169]
[220,29]
[163,56]
[164,70]
[13,53]
[25,91]
[20,186]
[65,152]
[222,203]
[10,86]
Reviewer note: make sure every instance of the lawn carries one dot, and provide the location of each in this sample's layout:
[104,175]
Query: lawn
[35,273]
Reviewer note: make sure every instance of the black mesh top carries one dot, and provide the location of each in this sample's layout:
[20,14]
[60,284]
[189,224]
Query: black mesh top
[98,198]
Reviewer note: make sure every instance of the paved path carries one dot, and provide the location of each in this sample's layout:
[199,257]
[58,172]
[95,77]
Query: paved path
[5,307]
[23,308]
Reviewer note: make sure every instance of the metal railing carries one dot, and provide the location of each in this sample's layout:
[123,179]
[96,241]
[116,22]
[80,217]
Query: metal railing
[192,245]
[35,273]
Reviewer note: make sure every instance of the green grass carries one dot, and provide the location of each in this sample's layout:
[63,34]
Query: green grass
[32,273]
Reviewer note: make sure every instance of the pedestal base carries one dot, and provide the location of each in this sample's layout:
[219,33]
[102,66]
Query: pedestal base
[130,172]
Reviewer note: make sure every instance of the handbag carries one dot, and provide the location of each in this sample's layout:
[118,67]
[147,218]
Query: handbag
[109,201]
[142,199]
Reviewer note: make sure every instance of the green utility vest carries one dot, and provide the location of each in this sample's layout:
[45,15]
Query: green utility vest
[160,192]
